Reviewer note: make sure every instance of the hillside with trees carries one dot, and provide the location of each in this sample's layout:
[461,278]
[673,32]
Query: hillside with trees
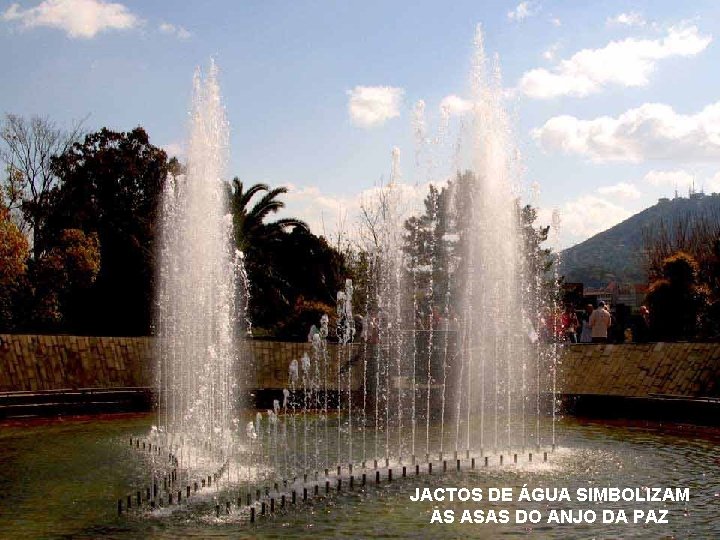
[621,252]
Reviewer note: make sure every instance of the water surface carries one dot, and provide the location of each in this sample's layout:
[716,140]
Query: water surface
[62,479]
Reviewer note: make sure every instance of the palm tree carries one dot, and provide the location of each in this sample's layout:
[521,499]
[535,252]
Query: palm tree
[249,224]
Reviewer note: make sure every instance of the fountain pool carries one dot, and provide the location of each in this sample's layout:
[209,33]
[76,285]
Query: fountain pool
[61,479]
[470,392]
[208,465]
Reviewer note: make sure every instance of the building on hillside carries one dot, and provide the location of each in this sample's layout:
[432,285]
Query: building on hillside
[631,295]
[593,295]
[572,294]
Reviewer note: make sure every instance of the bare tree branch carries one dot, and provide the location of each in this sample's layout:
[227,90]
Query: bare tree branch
[27,149]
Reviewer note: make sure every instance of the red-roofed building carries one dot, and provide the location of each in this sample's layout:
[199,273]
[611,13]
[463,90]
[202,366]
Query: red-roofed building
[631,295]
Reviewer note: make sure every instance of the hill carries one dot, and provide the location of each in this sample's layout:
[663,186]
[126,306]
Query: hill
[618,254]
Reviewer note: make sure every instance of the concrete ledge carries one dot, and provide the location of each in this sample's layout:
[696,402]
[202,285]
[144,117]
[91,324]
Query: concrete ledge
[69,372]
[704,411]
[75,401]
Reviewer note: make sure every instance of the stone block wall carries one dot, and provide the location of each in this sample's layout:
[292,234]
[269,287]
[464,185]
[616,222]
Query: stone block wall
[40,362]
[35,363]
[641,370]
[272,359]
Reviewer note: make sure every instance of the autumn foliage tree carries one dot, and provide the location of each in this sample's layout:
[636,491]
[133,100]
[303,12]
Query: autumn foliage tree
[677,300]
[69,267]
[13,268]
[110,185]
[699,238]
[89,209]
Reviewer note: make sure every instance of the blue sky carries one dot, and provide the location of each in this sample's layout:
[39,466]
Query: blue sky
[614,104]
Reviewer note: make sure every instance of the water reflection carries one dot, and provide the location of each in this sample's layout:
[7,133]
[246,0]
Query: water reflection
[62,478]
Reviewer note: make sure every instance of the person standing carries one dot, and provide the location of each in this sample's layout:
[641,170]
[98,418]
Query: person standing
[570,324]
[586,332]
[642,325]
[600,321]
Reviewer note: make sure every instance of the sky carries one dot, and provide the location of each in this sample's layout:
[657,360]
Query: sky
[612,104]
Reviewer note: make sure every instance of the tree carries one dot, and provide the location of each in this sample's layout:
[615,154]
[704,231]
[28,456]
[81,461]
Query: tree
[111,184]
[676,299]
[249,224]
[11,192]
[175,168]
[72,265]
[28,149]
[430,252]
[13,267]
[539,260]
[436,241]
[698,237]
[295,277]
[362,265]
[691,234]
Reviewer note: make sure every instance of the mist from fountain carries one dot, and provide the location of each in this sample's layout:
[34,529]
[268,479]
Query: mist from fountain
[457,366]
[495,347]
[201,299]
[477,375]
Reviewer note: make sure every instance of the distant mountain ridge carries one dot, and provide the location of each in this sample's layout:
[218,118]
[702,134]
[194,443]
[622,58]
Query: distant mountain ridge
[618,254]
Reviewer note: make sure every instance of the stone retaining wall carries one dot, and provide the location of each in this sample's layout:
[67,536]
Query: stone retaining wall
[39,362]
[35,362]
[272,360]
[641,370]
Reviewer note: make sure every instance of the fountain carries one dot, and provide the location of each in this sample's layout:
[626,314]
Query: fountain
[417,382]
[496,352]
[200,300]
[443,383]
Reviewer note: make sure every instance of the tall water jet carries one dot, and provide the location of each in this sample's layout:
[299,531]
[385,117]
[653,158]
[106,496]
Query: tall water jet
[496,349]
[200,303]
[450,299]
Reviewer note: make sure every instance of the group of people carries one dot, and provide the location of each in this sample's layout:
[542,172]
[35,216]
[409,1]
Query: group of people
[590,327]
[598,325]
[595,324]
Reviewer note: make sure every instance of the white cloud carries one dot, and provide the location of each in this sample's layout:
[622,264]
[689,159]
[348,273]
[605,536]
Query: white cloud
[621,190]
[626,63]
[678,178]
[371,106]
[712,184]
[77,18]
[323,212]
[683,180]
[555,21]
[329,214]
[174,149]
[522,11]
[176,30]
[551,52]
[632,18]
[651,131]
[584,217]
[453,105]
